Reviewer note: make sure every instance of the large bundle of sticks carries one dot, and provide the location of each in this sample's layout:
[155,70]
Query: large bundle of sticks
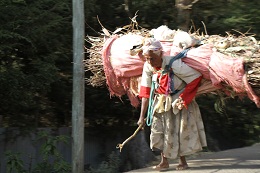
[241,45]
[94,63]
[246,46]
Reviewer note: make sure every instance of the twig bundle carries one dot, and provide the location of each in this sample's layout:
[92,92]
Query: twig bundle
[244,45]
[94,62]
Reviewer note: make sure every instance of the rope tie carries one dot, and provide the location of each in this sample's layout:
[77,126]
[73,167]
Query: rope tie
[149,118]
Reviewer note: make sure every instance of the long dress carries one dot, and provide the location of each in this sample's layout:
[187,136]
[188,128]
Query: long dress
[178,135]
[174,133]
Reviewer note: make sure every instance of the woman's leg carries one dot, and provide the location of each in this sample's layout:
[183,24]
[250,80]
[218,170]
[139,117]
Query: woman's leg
[182,163]
[163,164]
[164,161]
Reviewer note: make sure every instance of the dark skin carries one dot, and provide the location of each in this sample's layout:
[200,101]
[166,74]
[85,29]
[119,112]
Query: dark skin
[156,61]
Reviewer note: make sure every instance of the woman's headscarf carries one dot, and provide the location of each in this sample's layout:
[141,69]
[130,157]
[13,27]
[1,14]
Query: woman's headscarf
[151,44]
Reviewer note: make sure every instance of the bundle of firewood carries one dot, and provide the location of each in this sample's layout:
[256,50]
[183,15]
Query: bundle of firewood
[245,46]
[236,46]
[94,62]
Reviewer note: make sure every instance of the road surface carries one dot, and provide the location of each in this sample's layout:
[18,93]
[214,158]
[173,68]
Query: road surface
[240,160]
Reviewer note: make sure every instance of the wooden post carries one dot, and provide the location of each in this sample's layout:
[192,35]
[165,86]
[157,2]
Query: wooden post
[78,98]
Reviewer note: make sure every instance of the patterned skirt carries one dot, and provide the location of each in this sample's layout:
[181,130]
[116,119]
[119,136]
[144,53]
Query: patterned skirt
[178,135]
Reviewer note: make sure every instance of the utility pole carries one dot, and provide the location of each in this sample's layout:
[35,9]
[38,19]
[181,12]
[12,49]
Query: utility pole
[78,98]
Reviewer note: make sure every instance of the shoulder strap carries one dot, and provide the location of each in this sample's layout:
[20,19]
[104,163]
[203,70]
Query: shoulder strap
[180,55]
[167,69]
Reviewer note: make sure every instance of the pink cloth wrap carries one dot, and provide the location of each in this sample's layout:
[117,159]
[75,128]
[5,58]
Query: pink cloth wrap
[217,69]
[224,69]
[197,58]
[167,45]
[119,67]
[123,63]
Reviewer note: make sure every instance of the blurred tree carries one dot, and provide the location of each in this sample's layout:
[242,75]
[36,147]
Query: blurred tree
[224,15]
[35,41]
[184,8]
[235,124]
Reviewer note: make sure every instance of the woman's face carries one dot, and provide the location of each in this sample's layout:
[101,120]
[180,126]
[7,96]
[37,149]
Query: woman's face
[154,59]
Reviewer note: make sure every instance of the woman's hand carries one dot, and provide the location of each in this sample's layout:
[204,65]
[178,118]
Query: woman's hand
[141,121]
[179,104]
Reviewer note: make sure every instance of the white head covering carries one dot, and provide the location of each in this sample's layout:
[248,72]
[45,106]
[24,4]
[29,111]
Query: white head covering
[151,44]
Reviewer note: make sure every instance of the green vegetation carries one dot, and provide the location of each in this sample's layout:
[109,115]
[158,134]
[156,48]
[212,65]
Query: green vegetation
[35,53]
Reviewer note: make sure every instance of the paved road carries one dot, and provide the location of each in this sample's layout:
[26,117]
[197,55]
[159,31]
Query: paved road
[241,160]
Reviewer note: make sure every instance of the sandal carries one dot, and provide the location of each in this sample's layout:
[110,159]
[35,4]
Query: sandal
[161,167]
[182,167]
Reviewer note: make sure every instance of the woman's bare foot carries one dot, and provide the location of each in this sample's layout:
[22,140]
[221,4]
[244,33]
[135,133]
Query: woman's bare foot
[182,164]
[163,165]
[182,167]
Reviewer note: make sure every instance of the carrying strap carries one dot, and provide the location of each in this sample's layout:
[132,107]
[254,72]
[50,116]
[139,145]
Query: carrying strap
[180,55]
[167,69]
